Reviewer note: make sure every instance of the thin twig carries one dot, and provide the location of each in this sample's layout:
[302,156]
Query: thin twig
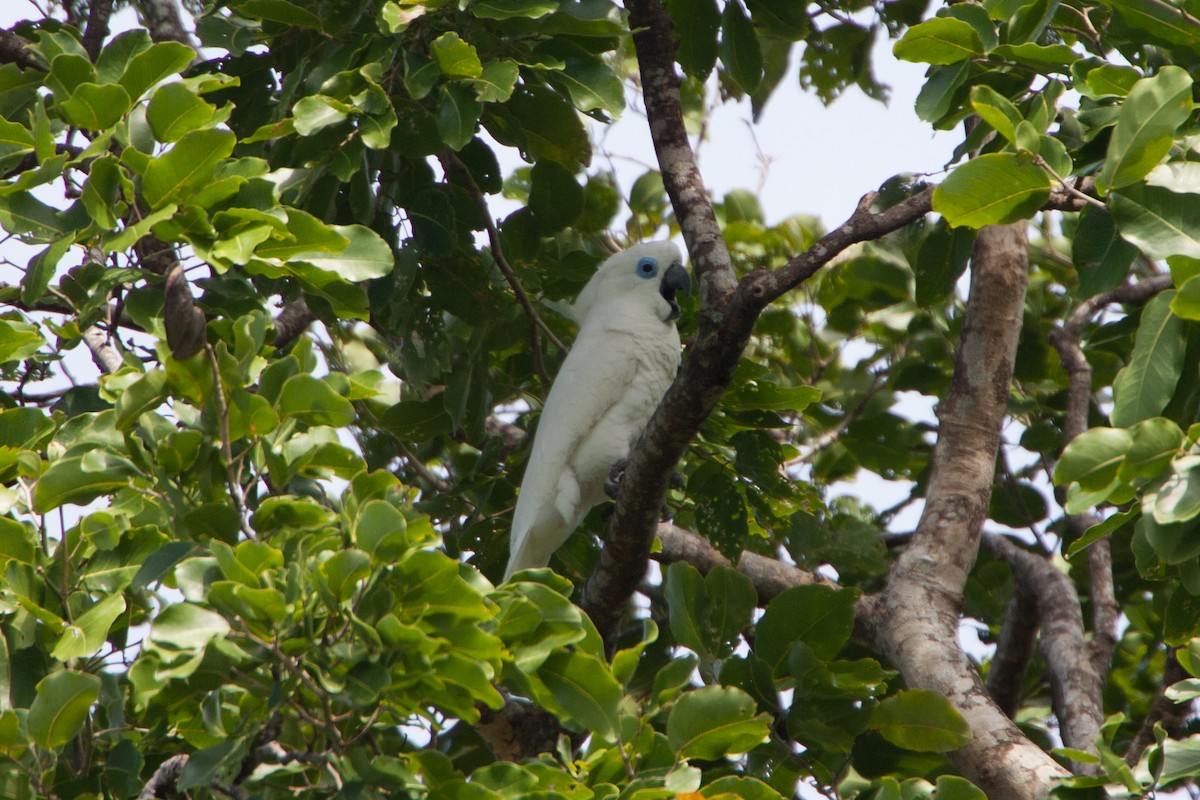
[232,479]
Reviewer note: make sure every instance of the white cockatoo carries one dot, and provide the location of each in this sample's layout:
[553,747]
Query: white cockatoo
[623,360]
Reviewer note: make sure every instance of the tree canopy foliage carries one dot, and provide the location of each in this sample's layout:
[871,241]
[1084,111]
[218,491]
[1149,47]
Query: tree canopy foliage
[246,559]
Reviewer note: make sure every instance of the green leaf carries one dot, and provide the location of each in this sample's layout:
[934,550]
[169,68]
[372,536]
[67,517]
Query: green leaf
[185,626]
[555,198]
[175,110]
[458,111]
[992,189]
[22,213]
[454,57]
[1100,255]
[508,9]
[1178,499]
[170,178]
[282,11]
[921,720]
[87,634]
[365,257]
[784,18]
[344,571]
[18,340]
[61,707]
[1144,386]
[819,616]
[81,479]
[1093,458]
[952,787]
[587,80]
[314,401]
[1155,442]
[688,608]
[713,722]
[1099,531]
[942,40]
[996,110]
[1157,221]
[17,543]
[740,51]
[41,270]
[584,688]
[1146,126]
[95,107]
[696,26]
[1180,759]
[150,66]
[497,81]
[144,394]
[941,260]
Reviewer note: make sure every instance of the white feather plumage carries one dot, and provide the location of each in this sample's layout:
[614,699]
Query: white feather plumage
[622,361]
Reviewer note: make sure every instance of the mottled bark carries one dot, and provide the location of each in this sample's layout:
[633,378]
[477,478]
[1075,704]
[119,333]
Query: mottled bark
[914,621]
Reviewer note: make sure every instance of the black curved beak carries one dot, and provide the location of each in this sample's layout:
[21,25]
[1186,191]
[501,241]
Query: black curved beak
[676,279]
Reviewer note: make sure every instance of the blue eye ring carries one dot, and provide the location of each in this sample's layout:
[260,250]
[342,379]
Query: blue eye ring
[647,267]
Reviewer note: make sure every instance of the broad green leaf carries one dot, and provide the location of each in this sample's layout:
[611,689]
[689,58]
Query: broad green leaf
[1157,221]
[317,112]
[731,603]
[941,261]
[1173,543]
[380,530]
[81,479]
[921,720]
[1093,458]
[1155,442]
[1180,759]
[688,608]
[783,18]
[1110,81]
[740,51]
[119,51]
[185,626]
[454,57]
[144,394]
[544,125]
[15,143]
[1181,177]
[508,9]
[942,40]
[366,256]
[996,110]
[1146,126]
[41,270]
[22,213]
[344,571]
[1178,498]
[696,26]
[1161,22]
[176,110]
[170,178]
[713,722]
[61,707]
[819,616]
[282,11]
[458,113]
[585,689]
[88,632]
[497,81]
[992,189]
[587,80]
[152,65]
[313,401]
[95,107]
[1186,303]
[17,543]
[555,197]
[1101,257]
[26,428]
[1099,531]
[952,787]
[1144,386]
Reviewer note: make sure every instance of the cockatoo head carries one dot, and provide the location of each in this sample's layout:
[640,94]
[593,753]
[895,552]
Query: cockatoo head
[645,277]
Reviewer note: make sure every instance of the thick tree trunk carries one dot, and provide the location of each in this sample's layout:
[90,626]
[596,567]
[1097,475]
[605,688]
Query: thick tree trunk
[914,621]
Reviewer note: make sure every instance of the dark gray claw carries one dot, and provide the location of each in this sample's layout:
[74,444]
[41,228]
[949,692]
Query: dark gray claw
[612,486]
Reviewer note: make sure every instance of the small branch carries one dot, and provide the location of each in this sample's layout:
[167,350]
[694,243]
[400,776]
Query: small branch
[232,480]
[1014,648]
[1163,710]
[162,783]
[163,21]
[293,320]
[1075,685]
[769,576]
[14,49]
[104,354]
[99,13]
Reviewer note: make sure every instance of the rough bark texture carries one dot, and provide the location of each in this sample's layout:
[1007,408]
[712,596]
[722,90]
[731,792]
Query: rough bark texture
[914,621]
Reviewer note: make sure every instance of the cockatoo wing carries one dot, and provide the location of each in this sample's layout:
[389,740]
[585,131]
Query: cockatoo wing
[594,379]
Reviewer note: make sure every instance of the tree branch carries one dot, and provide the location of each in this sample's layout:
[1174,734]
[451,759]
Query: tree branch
[99,13]
[1163,709]
[1075,684]
[914,621]
[14,49]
